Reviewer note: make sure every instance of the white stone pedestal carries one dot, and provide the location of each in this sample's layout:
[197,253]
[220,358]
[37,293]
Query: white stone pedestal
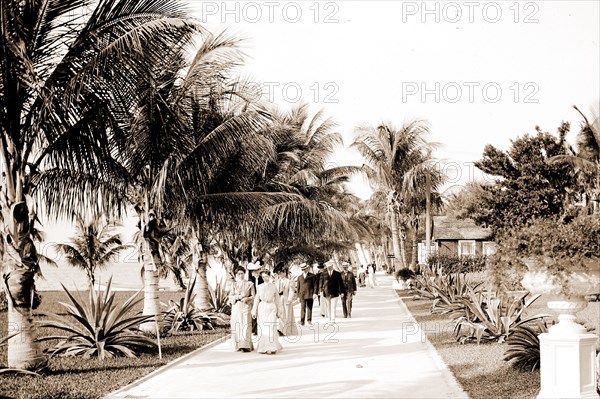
[567,361]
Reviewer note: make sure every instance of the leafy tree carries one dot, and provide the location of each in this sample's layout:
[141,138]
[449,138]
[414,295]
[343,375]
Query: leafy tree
[392,158]
[95,246]
[526,186]
[67,69]
[585,159]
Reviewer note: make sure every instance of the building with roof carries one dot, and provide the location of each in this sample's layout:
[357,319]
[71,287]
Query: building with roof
[458,237]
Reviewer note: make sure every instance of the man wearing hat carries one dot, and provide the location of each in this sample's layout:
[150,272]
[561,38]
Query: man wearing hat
[350,285]
[305,290]
[332,286]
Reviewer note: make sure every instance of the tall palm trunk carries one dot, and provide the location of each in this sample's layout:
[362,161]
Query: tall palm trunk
[415,249]
[396,244]
[361,256]
[19,258]
[151,280]
[202,300]
[403,259]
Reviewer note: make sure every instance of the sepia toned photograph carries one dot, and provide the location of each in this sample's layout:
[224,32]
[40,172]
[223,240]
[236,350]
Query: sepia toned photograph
[299,199]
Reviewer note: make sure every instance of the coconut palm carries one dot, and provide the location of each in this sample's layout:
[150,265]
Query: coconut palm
[585,159]
[67,72]
[390,153]
[95,246]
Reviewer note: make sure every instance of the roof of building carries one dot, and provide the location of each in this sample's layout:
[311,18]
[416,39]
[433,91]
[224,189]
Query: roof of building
[451,228]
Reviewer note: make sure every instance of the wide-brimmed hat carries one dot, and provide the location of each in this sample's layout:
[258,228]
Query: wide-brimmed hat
[252,266]
[303,266]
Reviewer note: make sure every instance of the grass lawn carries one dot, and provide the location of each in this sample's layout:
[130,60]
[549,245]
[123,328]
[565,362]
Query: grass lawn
[71,377]
[480,368]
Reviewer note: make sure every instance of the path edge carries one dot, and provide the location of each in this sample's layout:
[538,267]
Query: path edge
[159,370]
[437,358]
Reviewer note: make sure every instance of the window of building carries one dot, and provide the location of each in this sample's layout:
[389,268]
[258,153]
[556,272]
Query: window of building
[488,248]
[466,248]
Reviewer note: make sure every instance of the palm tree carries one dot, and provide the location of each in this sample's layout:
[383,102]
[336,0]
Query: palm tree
[65,85]
[389,154]
[94,247]
[586,158]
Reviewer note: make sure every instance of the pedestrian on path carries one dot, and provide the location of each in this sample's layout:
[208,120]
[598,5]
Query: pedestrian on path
[287,321]
[332,286]
[371,276]
[362,276]
[241,297]
[256,279]
[350,287]
[267,310]
[323,302]
[305,291]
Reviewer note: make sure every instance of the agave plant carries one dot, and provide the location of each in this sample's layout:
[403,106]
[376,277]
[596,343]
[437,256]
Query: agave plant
[524,346]
[449,290]
[184,316]
[100,327]
[219,298]
[492,318]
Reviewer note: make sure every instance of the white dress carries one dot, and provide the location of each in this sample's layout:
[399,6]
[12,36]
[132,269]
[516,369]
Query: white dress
[287,321]
[267,308]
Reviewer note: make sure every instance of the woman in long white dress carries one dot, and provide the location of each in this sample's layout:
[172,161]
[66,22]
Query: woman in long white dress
[241,296]
[267,310]
[287,321]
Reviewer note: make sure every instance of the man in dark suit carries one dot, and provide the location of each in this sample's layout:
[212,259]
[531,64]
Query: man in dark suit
[332,286]
[350,285]
[305,290]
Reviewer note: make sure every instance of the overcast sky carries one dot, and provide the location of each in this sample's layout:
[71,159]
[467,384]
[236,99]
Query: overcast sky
[480,72]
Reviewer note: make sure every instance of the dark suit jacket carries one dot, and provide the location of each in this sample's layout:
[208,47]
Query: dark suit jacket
[332,286]
[349,282]
[305,287]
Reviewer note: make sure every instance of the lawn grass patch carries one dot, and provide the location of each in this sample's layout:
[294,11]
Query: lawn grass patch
[480,368]
[74,377]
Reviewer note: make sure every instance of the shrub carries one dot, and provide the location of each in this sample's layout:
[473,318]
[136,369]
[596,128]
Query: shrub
[492,318]
[219,298]
[99,327]
[404,274]
[457,264]
[449,289]
[524,346]
[184,316]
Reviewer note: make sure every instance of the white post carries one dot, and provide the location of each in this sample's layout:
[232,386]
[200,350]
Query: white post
[567,356]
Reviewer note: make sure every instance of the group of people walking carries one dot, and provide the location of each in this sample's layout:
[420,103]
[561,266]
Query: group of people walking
[262,304]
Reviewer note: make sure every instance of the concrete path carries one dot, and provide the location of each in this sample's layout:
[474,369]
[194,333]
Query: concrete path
[379,353]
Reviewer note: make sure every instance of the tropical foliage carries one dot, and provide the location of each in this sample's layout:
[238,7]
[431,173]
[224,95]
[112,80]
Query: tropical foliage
[184,316]
[524,346]
[492,317]
[98,327]
[526,185]
[95,246]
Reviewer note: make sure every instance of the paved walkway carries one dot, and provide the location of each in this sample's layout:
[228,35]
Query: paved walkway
[378,353]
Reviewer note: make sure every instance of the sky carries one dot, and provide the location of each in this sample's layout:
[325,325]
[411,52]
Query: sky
[479,72]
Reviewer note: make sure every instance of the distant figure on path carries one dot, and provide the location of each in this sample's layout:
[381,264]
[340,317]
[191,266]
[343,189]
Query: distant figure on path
[350,286]
[332,286]
[305,291]
[362,276]
[241,297]
[371,276]
[267,310]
